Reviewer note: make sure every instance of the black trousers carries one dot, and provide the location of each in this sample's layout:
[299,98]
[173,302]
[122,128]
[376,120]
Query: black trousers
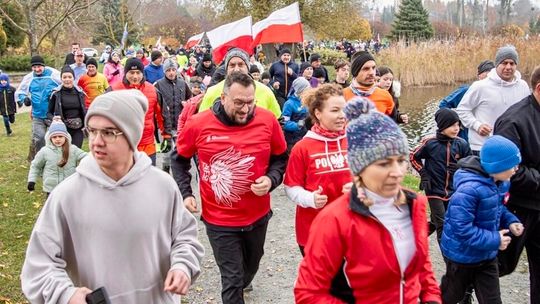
[530,239]
[77,136]
[237,255]
[483,276]
[437,209]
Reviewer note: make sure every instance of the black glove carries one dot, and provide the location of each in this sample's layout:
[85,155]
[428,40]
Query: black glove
[47,122]
[166,145]
[425,181]
[27,101]
[31,186]
[116,72]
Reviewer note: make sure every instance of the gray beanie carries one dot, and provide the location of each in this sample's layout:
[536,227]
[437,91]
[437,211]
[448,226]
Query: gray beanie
[169,64]
[126,109]
[299,85]
[236,52]
[506,52]
[371,135]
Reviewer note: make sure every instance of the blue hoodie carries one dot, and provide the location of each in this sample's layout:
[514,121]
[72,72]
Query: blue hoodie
[153,73]
[475,215]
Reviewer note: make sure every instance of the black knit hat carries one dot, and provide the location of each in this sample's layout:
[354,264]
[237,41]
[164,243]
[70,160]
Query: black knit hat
[133,63]
[254,69]
[314,57]
[445,118]
[67,69]
[304,66]
[319,73]
[485,66]
[284,51]
[91,61]
[358,61]
[37,60]
[155,55]
[207,57]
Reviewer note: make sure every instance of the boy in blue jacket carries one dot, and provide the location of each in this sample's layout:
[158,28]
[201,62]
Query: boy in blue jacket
[440,154]
[477,223]
[295,114]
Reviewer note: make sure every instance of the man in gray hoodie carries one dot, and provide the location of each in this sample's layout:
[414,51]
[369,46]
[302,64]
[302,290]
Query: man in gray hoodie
[118,222]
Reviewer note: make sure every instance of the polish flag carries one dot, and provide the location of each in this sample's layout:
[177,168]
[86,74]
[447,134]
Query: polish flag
[193,40]
[234,34]
[283,25]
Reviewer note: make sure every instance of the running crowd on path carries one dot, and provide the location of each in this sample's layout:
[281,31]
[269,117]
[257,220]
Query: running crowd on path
[335,144]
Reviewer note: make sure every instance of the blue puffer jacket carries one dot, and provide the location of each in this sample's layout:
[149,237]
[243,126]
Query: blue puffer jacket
[293,112]
[475,215]
[153,73]
[40,88]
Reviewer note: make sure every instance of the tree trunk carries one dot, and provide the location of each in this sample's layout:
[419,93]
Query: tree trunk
[32,39]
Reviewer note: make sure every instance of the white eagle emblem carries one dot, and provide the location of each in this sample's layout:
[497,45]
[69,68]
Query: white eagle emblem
[228,174]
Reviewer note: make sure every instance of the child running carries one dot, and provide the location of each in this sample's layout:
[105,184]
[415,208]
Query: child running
[8,108]
[440,154]
[56,160]
[477,222]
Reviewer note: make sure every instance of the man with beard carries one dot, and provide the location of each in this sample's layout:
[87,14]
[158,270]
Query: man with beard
[93,83]
[363,69]
[242,157]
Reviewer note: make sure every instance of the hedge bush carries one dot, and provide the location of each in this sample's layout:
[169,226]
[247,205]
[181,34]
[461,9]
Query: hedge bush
[21,63]
[328,56]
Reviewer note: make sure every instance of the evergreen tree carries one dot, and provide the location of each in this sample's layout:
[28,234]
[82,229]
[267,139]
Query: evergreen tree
[114,15]
[411,22]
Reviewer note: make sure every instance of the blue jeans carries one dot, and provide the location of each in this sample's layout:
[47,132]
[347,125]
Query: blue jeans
[7,120]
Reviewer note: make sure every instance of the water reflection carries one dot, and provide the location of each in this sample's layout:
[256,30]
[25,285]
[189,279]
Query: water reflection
[421,104]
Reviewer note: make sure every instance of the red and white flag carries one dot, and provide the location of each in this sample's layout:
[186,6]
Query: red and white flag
[283,25]
[193,40]
[234,34]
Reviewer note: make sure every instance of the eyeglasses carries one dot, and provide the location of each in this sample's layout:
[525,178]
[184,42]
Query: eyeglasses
[241,104]
[107,135]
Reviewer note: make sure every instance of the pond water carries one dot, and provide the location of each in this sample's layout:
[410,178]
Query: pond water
[421,103]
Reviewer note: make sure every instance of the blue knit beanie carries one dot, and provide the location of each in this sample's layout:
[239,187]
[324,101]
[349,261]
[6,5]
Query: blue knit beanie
[57,128]
[371,135]
[499,154]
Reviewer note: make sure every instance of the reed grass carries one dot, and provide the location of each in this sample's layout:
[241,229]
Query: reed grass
[450,62]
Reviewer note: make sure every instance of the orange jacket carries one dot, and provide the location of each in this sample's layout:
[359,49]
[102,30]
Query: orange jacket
[381,98]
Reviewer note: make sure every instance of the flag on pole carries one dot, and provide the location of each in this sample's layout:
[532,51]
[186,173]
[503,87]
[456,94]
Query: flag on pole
[283,25]
[234,34]
[124,36]
[158,46]
[193,40]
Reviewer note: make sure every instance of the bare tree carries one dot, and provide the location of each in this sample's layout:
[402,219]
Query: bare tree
[33,26]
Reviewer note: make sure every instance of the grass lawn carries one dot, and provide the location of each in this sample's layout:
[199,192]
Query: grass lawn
[20,208]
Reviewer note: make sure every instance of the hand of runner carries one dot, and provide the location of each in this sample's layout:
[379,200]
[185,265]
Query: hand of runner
[320,199]
[177,282]
[191,204]
[261,186]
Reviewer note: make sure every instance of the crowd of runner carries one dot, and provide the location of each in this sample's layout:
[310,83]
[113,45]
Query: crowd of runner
[247,126]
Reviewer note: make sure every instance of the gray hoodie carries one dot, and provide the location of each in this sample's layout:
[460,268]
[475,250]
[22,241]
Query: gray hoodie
[124,235]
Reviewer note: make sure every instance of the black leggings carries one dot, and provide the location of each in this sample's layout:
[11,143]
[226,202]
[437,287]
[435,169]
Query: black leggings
[77,136]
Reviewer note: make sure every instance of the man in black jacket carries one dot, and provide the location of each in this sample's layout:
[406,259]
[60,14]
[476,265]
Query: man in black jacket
[521,124]
[174,92]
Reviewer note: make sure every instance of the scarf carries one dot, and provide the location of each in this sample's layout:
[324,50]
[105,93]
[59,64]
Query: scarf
[360,90]
[326,133]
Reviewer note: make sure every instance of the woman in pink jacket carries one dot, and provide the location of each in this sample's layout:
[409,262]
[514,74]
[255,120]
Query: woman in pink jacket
[113,70]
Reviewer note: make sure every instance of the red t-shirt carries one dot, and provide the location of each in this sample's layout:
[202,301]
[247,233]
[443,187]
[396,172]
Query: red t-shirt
[231,158]
[314,162]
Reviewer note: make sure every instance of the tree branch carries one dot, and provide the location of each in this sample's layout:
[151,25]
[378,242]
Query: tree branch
[8,18]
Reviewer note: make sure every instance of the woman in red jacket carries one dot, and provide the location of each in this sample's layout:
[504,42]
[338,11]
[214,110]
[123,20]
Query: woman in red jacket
[370,245]
[317,168]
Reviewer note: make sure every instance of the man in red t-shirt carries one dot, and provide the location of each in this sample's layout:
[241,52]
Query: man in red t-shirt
[242,157]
